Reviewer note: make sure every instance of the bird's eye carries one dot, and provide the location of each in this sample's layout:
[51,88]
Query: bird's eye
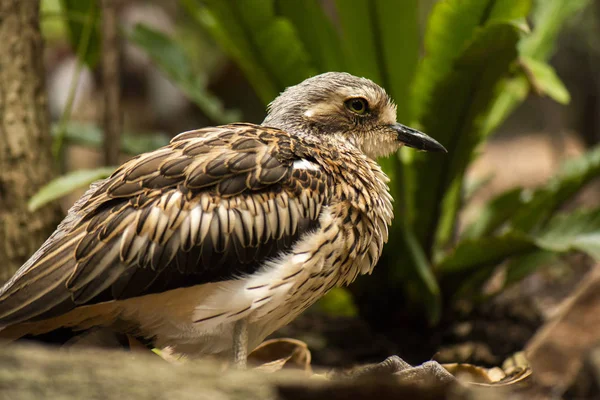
[357,105]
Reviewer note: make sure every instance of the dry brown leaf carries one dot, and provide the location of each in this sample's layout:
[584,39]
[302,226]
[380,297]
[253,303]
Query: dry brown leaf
[515,369]
[275,354]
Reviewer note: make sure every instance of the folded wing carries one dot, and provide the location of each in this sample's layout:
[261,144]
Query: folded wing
[211,206]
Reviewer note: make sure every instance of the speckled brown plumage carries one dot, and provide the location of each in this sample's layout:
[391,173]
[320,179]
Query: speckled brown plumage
[240,221]
[193,212]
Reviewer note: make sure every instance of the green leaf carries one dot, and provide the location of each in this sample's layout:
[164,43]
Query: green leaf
[316,31]
[526,209]
[539,205]
[338,302]
[359,39]
[453,104]
[170,57]
[548,17]
[473,285]
[451,28]
[276,42]
[576,231]
[472,254]
[494,214]
[91,135]
[380,39]
[52,21]
[397,38]
[508,11]
[218,19]
[512,92]
[84,34]
[473,260]
[431,295]
[545,80]
[66,184]
[523,265]
[264,45]
[453,92]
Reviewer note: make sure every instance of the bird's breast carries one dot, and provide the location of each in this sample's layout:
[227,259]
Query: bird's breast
[198,319]
[347,242]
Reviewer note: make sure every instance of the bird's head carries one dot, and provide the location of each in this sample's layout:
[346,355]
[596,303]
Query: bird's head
[344,106]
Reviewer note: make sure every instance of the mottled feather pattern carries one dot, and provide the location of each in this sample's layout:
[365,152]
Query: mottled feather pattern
[204,194]
[353,230]
[239,221]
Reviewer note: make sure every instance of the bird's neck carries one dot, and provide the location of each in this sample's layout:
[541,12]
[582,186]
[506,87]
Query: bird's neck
[359,178]
[356,173]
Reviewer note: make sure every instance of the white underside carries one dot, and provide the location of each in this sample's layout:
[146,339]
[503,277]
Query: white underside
[199,320]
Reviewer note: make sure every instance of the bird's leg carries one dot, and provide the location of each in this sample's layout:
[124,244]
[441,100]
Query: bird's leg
[240,343]
[430,370]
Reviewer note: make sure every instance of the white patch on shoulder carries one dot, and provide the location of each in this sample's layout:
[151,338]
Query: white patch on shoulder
[305,164]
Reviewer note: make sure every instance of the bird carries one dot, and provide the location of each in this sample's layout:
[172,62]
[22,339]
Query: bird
[209,244]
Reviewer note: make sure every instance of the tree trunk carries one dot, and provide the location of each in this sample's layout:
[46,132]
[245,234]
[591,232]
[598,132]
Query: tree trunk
[25,159]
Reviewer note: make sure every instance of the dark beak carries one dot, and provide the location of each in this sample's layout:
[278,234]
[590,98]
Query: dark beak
[418,140]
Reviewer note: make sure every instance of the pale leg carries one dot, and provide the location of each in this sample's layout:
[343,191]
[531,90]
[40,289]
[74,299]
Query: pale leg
[240,343]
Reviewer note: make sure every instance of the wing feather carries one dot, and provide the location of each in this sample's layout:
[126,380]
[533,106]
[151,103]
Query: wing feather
[213,205]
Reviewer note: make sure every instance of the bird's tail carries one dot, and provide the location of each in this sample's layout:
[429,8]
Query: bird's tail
[39,291]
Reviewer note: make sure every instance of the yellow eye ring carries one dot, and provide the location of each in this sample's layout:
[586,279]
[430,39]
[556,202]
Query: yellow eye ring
[357,105]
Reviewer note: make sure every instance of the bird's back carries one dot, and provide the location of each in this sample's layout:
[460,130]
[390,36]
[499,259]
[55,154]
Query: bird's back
[210,207]
[240,222]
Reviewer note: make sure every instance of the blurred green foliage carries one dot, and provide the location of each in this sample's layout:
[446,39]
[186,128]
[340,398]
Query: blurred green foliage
[90,135]
[480,60]
[475,63]
[66,184]
[171,58]
[81,22]
[83,28]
